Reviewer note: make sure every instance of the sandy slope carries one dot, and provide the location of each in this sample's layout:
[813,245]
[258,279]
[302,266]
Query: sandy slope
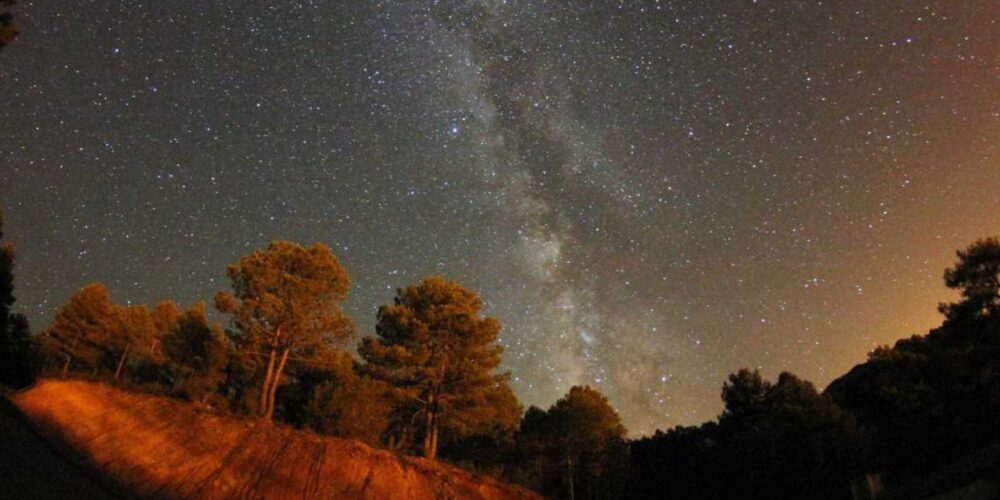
[153,446]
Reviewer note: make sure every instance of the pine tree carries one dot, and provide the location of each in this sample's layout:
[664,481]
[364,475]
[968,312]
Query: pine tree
[440,356]
[87,332]
[286,299]
[977,276]
[578,441]
[91,334]
[18,358]
[196,352]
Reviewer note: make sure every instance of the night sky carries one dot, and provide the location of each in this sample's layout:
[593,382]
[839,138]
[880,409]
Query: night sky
[649,195]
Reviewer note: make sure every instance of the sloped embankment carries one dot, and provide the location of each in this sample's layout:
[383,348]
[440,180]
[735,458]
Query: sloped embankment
[154,446]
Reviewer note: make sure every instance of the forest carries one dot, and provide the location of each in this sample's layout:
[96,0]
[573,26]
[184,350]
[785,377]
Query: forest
[918,416]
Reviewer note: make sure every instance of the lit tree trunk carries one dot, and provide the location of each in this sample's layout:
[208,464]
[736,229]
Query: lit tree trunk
[434,438]
[121,362]
[275,382]
[266,388]
[429,424]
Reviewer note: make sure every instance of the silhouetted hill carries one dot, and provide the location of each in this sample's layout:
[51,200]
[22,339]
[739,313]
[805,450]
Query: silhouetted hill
[930,402]
[149,446]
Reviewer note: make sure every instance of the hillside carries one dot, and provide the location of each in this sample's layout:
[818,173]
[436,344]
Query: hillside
[148,446]
[929,405]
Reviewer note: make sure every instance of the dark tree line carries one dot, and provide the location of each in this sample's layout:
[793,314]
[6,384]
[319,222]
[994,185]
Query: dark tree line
[921,414]
[18,355]
[773,440]
[931,402]
[575,449]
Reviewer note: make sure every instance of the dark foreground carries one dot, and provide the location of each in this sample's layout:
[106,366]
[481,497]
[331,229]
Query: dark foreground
[30,468]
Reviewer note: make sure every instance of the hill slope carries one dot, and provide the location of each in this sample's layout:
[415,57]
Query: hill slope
[154,446]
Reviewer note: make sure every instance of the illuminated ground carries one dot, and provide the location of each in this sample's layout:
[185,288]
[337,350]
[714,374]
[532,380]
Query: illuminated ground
[153,446]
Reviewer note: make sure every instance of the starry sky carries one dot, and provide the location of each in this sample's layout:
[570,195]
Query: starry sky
[649,195]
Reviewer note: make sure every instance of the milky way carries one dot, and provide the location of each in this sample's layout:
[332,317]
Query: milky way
[649,195]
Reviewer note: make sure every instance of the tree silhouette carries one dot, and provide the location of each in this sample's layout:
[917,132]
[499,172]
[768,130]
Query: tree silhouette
[8,30]
[439,356]
[18,358]
[930,401]
[787,440]
[977,276]
[773,440]
[744,392]
[286,299]
[579,440]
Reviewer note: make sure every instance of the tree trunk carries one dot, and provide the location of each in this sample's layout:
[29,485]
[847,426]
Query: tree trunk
[266,388]
[121,362]
[65,369]
[434,439]
[405,434]
[403,439]
[569,469]
[275,382]
[428,431]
